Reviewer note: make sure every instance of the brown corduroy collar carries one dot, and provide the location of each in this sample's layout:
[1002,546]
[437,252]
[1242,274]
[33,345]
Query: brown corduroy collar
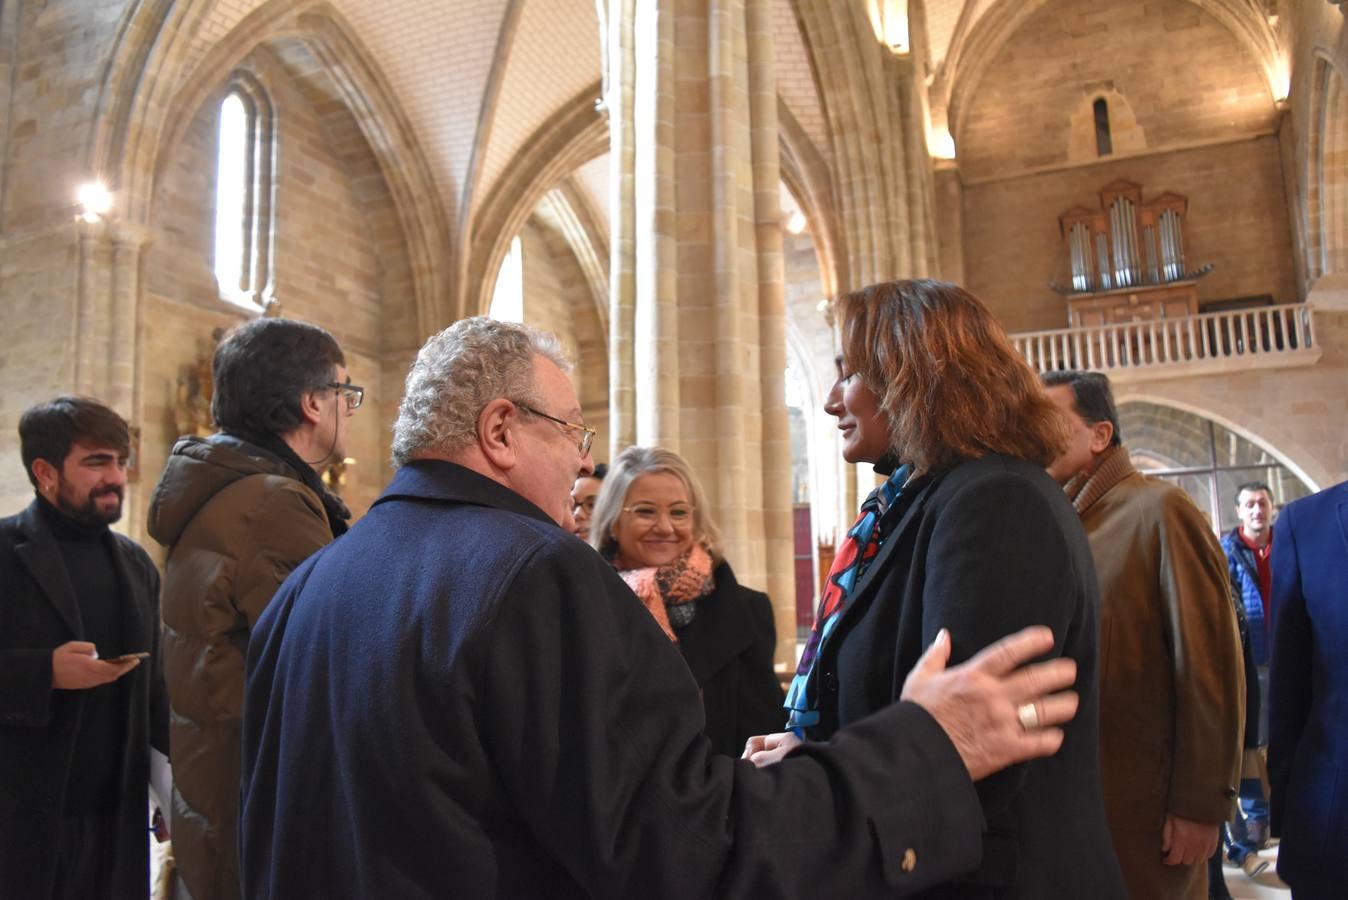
[1083,490]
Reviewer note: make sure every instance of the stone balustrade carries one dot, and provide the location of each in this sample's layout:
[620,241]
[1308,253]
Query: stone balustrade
[1204,344]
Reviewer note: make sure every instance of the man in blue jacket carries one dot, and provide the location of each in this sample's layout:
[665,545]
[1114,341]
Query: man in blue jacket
[1248,547]
[1308,693]
[460,698]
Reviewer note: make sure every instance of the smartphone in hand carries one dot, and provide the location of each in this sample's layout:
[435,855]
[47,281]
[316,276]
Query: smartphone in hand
[127,657]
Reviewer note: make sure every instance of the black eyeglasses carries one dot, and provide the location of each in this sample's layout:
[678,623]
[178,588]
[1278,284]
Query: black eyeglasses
[586,432]
[354,393]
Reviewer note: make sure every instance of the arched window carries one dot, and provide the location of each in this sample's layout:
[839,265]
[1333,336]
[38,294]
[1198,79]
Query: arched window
[1204,458]
[1104,144]
[507,298]
[244,188]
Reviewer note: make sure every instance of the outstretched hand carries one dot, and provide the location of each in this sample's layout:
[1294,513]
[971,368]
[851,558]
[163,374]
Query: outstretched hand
[977,703]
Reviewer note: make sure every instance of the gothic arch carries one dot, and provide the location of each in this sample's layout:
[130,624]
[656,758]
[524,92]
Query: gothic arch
[574,135]
[973,50]
[806,176]
[139,126]
[1240,420]
[581,225]
[1327,183]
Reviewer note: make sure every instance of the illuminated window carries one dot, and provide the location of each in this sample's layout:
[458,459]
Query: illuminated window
[244,188]
[507,298]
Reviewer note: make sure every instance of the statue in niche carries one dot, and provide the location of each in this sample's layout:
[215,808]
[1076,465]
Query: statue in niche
[196,387]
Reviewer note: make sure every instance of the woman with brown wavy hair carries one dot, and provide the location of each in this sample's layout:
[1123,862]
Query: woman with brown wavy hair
[969,534]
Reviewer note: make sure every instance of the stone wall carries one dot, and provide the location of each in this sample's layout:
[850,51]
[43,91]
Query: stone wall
[338,263]
[1237,220]
[1172,74]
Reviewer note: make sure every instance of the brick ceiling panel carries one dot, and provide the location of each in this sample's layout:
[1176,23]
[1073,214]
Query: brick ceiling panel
[795,79]
[218,22]
[554,56]
[942,17]
[436,57]
[593,178]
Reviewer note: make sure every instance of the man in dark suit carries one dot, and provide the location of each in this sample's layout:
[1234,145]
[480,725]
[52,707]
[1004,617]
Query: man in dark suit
[459,697]
[1308,691]
[78,710]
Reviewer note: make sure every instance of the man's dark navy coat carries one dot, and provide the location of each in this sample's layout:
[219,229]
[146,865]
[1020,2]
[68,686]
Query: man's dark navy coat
[457,698]
[1308,694]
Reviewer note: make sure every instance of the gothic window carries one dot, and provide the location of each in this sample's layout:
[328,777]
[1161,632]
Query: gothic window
[1206,459]
[507,298]
[1104,144]
[244,189]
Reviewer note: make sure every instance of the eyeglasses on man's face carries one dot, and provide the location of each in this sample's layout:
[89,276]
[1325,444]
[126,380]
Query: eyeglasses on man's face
[354,393]
[586,432]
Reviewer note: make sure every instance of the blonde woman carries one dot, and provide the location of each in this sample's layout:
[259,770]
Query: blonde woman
[651,522]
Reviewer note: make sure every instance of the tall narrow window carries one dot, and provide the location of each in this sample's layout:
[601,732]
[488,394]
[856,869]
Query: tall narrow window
[231,196]
[1104,144]
[507,298]
[244,187]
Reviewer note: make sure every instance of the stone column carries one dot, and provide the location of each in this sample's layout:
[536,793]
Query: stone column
[89,366]
[697,323]
[124,305]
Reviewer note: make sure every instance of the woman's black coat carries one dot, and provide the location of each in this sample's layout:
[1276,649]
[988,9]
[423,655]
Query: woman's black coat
[729,647]
[984,549]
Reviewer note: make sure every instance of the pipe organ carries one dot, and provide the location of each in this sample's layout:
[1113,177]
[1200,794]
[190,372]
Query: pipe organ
[1127,258]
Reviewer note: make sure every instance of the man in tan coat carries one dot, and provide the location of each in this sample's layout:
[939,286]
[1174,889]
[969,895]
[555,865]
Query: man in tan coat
[1171,672]
[239,510]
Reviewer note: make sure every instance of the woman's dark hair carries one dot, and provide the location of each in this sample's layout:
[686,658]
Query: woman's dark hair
[1091,395]
[47,430]
[946,376]
[262,369]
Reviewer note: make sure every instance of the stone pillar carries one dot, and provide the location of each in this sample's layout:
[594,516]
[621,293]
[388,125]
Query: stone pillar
[124,305]
[697,321]
[89,368]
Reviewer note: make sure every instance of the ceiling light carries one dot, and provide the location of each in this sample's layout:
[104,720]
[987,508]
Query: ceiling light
[95,201]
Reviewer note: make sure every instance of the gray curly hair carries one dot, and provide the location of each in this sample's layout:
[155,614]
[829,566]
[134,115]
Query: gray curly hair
[457,373]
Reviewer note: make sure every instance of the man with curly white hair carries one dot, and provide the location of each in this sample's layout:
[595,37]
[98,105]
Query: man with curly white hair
[460,698]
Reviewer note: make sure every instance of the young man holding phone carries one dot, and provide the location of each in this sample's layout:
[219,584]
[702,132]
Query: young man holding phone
[83,698]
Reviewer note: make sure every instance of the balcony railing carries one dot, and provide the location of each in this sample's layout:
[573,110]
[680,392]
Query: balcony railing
[1160,348]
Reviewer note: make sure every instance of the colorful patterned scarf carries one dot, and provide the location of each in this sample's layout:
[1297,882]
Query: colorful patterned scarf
[668,591]
[849,565]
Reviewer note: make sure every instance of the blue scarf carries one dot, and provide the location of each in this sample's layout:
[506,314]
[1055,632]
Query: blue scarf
[854,557]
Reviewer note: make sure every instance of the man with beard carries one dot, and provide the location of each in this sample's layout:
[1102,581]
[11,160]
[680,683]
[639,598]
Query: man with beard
[83,694]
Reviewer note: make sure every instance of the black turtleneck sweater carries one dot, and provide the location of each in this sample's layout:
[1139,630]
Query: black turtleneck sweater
[86,552]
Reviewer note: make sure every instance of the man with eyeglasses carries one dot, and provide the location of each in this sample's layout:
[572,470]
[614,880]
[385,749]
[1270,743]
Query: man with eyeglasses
[462,699]
[583,495]
[238,511]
